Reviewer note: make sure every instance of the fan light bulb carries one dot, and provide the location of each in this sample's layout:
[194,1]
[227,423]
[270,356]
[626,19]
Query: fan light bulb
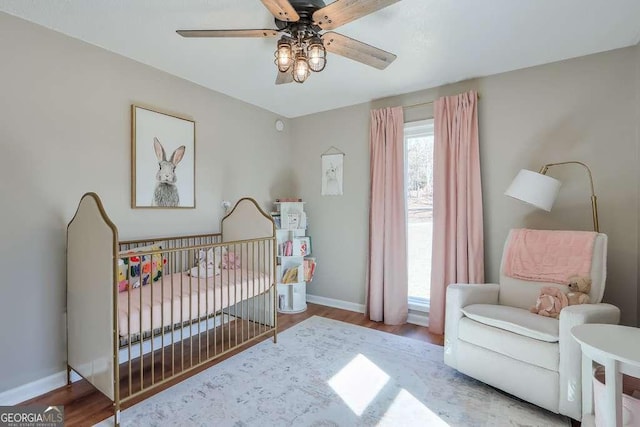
[300,69]
[317,56]
[283,56]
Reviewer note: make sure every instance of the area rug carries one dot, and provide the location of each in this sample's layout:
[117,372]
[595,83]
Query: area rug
[325,373]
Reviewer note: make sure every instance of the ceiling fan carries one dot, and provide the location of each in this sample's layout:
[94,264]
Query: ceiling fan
[303,47]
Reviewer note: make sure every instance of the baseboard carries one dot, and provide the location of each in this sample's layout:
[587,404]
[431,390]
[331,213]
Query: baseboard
[418,319]
[35,388]
[336,303]
[413,318]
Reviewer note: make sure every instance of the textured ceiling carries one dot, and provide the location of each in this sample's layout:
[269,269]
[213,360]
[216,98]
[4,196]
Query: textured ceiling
[437,42]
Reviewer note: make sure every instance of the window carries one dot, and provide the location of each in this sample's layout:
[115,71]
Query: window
[418,148]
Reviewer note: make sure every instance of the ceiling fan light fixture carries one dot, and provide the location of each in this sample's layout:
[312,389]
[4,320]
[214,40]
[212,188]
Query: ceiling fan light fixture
[300,69]
[304,28]
[317,55]
[284,56]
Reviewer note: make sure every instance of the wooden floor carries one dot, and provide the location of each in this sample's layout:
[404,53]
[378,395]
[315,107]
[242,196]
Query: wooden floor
[84,406]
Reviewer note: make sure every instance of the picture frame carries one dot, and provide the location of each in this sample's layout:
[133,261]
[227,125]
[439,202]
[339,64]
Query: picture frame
[304,245]
[163,159]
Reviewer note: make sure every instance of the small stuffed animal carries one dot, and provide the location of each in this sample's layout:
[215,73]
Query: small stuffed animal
[550,301]
[579,288]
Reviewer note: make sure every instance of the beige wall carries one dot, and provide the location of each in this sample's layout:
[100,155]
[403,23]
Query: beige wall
[583,109]
[338,225]
[65,130]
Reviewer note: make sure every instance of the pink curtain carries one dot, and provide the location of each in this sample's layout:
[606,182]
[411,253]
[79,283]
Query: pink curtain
[458,253]
[387,274]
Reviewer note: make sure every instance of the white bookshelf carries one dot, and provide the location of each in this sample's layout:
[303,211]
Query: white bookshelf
[292,296]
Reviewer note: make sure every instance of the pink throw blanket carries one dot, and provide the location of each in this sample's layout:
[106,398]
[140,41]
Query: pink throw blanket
[548,255]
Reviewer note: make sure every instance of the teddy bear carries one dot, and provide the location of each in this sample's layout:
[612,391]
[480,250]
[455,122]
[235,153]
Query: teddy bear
[550,301]
[579,288]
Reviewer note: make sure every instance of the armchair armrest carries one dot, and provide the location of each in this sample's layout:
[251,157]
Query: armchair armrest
[460,295]
[570,368]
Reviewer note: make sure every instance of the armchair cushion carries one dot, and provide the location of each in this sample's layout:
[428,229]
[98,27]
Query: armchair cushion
[518,347]
[516,320]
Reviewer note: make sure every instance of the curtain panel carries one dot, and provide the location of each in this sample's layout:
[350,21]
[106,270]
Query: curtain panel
[387,290]
[458,241]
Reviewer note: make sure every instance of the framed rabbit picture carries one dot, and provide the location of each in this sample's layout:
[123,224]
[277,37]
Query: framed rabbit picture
[163,159]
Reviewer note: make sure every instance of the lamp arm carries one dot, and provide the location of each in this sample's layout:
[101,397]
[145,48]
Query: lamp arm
[594,201]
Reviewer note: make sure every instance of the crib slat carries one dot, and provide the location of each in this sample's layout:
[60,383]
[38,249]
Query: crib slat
[162,328]
[253,280]
[243,305]
[228,305]
[262,287]
[140,330]
[190,318]
[206,300]
[129,337]
[172,258]
[182,318]
[199,315]
[153,364]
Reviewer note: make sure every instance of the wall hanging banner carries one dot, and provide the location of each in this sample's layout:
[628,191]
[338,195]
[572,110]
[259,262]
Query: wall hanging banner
[332,172]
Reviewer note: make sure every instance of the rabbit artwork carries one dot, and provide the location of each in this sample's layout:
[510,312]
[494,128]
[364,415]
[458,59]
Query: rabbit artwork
[333,186]
[166,192]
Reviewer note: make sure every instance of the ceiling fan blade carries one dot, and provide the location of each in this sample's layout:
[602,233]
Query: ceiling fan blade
[228,33]
[284,78]
[341,12]
[356,50]
[282,10]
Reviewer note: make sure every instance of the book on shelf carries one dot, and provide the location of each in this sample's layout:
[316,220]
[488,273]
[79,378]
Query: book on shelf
[290,275]
[309,268]
[276,219]
[286,248]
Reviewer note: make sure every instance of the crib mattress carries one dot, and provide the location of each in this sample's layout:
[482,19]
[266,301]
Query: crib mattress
[179,293]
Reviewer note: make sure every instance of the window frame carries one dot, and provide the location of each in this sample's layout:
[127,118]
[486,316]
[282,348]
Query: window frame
[411,130]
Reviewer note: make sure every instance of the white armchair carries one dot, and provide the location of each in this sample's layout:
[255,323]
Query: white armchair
[490,335]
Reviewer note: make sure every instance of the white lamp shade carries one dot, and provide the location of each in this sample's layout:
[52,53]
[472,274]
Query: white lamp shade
[534,188]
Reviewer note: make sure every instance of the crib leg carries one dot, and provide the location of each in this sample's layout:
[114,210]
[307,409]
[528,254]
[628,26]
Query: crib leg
[116,414]
[68,375]
[275,336]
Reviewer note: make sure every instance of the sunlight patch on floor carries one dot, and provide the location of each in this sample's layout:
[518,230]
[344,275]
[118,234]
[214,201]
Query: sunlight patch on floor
[406,408]
[358,383]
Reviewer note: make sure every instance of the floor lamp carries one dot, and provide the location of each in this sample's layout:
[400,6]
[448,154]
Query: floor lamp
[540,190]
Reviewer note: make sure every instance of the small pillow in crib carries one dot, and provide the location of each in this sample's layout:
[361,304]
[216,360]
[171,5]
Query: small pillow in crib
[140,267]
[231,261]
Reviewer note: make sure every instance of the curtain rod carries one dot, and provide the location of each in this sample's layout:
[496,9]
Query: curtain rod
[424,103]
